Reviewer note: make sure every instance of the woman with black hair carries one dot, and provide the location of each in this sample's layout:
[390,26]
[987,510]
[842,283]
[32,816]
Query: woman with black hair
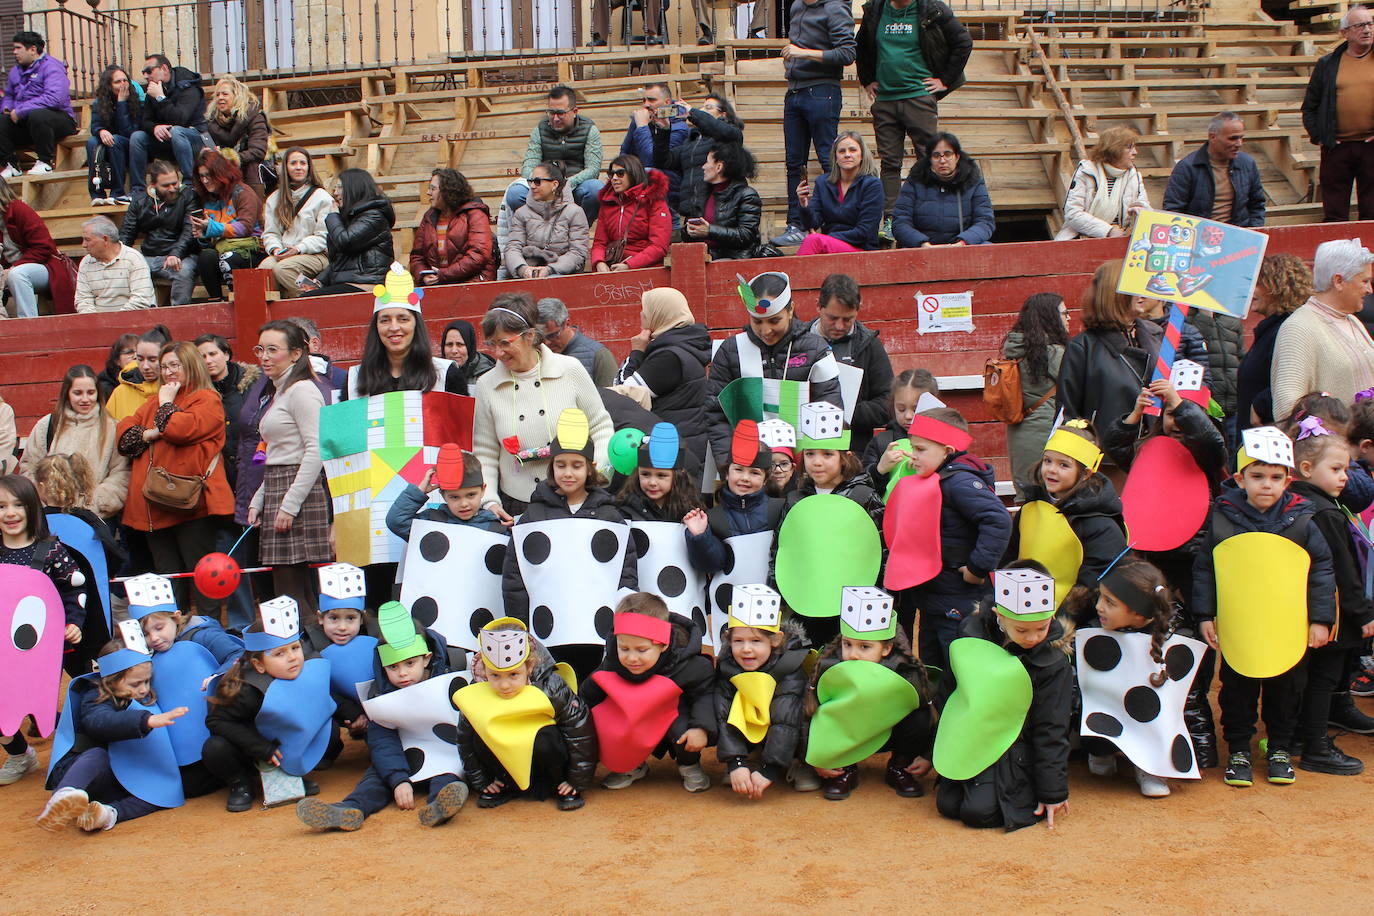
[459,344]
[728,221]
[714,123]
[1037,339]
[115,115]
[358,236]
[944,200]
[453,242]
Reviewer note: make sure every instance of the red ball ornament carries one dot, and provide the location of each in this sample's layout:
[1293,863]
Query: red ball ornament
[217,575]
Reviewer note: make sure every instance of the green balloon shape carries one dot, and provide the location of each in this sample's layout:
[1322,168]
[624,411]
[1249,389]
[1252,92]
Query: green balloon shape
[826,542]
[623,449]
[986,711]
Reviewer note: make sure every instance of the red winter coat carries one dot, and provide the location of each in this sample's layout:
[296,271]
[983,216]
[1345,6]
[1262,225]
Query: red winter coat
[641,216]
[27,230]
[468,251]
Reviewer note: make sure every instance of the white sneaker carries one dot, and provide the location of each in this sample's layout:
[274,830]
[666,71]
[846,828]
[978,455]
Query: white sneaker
[39,168]
[1102,765]
[63,809]
[694,778]
[16,766]
[9,172]
[625,780]
[1151,786]
[97,817]
[803,777]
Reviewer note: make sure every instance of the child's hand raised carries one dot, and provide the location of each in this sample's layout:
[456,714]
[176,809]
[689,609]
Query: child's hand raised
[163,719]
[1049,811]
[404,795]
[1318,635]
[696,521]
[693,740]
[427,482]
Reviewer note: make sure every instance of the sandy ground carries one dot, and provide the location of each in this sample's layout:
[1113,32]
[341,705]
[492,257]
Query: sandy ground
[653,847]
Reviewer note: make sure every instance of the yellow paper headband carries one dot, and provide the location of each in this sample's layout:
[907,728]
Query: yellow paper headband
[1076,447]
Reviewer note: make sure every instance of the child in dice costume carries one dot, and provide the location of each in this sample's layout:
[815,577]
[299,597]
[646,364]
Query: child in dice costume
[411,733]
[524,732]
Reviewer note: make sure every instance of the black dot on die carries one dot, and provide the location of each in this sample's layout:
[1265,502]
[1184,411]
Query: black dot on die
[542,621]
[480,618]
[641,541]
[426,610]
[1103,724]
[434,546]
[1181,753]
[1142,704]
[723,593]
[415,759]
[699,618]
[1178,661]
[537,547]
[25,637]
[446,732]
[603,622]
[605,546]
[672,582]
[1102,653]
[496,559]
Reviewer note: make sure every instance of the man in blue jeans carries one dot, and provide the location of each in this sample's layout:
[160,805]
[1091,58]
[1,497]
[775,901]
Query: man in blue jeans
[821,45]
[173,125]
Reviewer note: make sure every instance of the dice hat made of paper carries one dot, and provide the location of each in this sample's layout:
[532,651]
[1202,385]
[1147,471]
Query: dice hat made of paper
[456,469]
[401,639]
[1023,594]
[866,613]
[133,649]
[1075,446]
[756,606]
[505,644]
[766,295]
[1265,444]
[278,625]
[661,449]
[150,594]
[341,585]
[822,426]
[747,449]
[1186,377]
[573,435]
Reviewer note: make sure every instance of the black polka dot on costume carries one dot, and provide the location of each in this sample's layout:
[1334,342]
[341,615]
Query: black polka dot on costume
[434,546]
[496,559]
[723,593]
[604,621]
[415,759]
[446,733]
[542,621]
[605,546]
[1104,724]
[1142,704]
[672,582]
[641,541]
[480,618]
[537,547]
[1181,753]
[1178,661]
[1102,653]
[426,610]
[25,637]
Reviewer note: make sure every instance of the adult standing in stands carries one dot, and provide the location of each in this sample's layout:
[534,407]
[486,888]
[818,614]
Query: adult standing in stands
[853,344]
[226,233]
[1338,117]
[1037,339]
[1217,181]
[911,54]
[459,344]
[112,276]
[236,123]
[294,233]
[162,215]
[173,125]
[562,336]
[359,246]
[40,266]
[79,425]
[574,142]
[1107,190]
[668,358]
[453,243]
[820,45]
[845,209]
[116,112]
[1284,283]
[657,128]
[37,106]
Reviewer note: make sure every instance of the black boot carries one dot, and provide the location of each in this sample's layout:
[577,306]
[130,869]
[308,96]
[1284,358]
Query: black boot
[1197,718]
[1346,715]
[1322,756]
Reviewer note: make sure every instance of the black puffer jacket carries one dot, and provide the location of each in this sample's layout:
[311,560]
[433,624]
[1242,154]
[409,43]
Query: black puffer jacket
[707,132]
[798,355]
[786,713]
[1102,374]
[1094,514]
[673,368]
[165,229]
[1225,339]
[1035,769]
[359,245]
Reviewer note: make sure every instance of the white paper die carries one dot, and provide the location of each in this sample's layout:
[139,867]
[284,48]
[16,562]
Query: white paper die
[756,605]
[866,609]
[342,580]
[281,617]
[821,420]
[777,433]
[131,634]
[1023,591]
[1268,444]
[149,590]
[1186,375]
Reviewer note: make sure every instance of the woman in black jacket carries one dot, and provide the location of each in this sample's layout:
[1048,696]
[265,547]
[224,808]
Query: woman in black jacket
[728,221]
[713,124]
[359,236]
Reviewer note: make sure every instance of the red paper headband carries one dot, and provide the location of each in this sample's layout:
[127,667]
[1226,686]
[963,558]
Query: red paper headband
[645,627]
[941,432]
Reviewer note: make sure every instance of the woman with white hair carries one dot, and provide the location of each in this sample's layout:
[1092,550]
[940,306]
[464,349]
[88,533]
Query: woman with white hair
[1323,346]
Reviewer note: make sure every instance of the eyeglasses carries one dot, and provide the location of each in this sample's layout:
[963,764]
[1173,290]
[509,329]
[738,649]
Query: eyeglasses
[538,181]
[270,350]
[558,113]
[949,154]
[617,173]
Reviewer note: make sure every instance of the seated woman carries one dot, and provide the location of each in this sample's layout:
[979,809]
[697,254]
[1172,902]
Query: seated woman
[728,219]
[1107,190]
[358,236]
[236,122]
[944,200]
[293,233]
[546,237]
[115,114]
[453,242]
[227,226]
[847,206]
[633,227]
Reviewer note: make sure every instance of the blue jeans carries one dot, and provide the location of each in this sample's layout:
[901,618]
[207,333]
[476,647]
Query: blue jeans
[119,165]
[810,117]
[183,146]
[584,195]
[24,282]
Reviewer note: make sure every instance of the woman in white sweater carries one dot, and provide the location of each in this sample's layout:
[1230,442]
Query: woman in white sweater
[292,503]
[79,425]
[293,233]
[1107,191]
[518,403]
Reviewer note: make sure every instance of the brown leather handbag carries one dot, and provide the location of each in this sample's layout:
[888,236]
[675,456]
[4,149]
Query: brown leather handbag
[176,492]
